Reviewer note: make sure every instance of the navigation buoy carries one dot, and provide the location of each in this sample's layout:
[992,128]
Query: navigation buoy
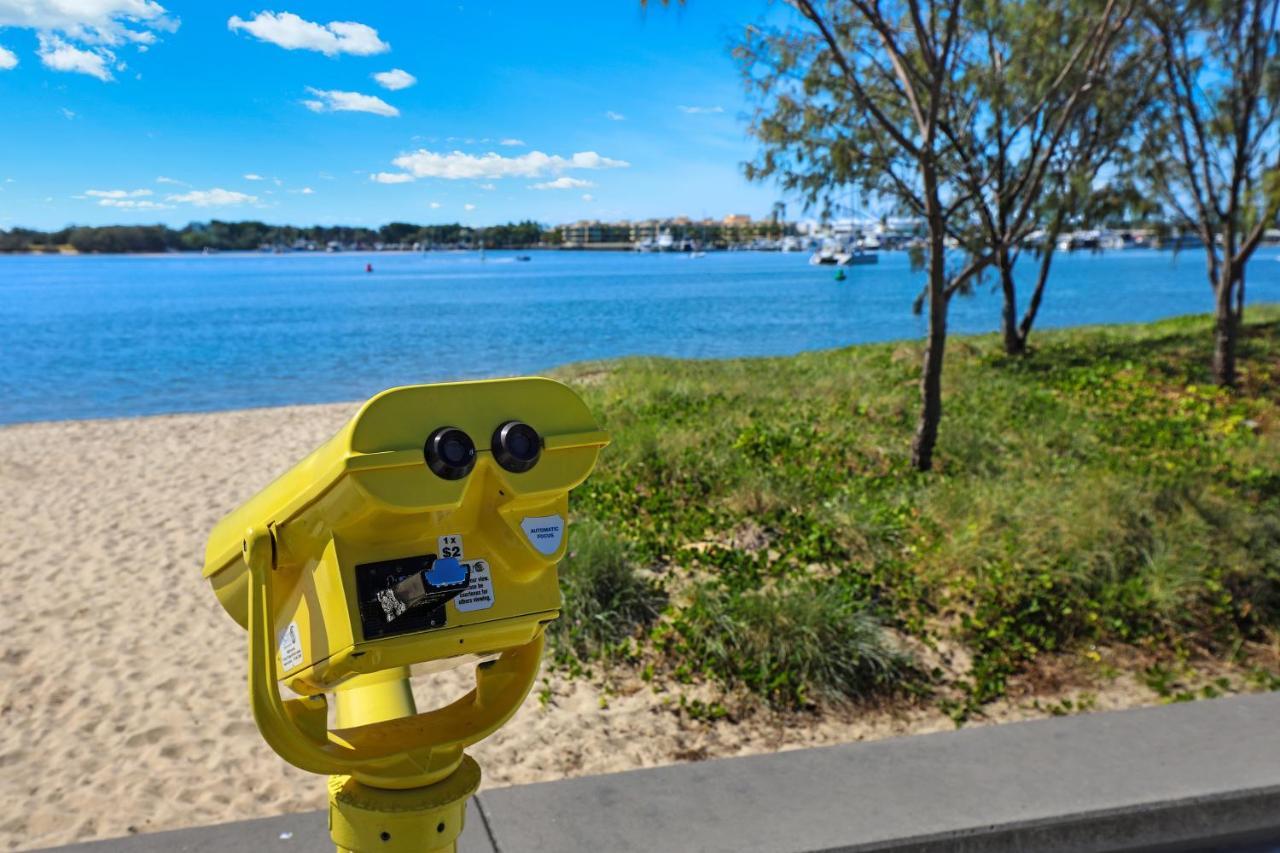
[840,276]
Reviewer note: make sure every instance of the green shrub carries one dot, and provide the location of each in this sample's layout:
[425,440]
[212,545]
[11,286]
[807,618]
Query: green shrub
[606,601]
[1098,491]
[790,643]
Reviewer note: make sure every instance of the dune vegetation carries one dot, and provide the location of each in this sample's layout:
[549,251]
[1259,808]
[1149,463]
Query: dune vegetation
[757,527]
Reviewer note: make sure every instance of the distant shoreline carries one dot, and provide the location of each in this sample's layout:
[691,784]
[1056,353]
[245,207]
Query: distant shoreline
[69,251]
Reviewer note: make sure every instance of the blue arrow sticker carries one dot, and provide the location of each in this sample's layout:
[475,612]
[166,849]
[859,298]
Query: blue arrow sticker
[446,572]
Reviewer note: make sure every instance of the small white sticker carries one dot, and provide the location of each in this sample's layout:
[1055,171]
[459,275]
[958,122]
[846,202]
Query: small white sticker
[290,647]
[544,532]
[479,592]
[449,546]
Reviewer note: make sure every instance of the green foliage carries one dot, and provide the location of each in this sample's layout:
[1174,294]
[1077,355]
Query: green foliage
[1099,491]
[606,601]
[788,642]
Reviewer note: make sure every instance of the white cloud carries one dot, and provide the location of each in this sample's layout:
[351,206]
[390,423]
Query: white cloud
[7,59]
[252,176]
[294,33]
[588,197]
[612,116]
[133,204]
[489,187]
[60,55]
[66,113]
[512,143]
[124,199]
[76,35]
[592,160]
[333,101]
[395,79]
[163,180]
[435,205]
[391,177]
[458,165]
[565,183]
[304,191]
[99,22]
[216,197]
[700,110]
[468,207]
[117,193]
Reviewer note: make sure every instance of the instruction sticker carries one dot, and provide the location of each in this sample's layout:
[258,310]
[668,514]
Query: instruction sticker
[479,592]
[544,532]
[290,647]
[449,546]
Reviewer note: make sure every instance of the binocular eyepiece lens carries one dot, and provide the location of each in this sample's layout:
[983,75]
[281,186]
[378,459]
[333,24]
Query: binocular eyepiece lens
[516,446]
[450,452]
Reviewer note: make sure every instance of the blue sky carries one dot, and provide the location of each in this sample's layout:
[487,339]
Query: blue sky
[129,111]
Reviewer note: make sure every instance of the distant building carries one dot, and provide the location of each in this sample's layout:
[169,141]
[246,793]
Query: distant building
[594,233]
[680,232]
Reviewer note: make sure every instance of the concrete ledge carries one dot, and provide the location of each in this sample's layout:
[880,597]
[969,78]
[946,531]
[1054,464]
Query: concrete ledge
[294,833]
[1199,776]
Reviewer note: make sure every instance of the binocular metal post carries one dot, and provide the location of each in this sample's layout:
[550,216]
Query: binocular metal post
[365,818]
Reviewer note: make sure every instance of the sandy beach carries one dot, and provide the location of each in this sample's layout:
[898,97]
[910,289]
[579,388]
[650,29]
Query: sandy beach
[122,684]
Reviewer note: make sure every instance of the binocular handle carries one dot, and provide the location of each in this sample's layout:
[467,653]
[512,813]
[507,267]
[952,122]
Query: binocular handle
[402,753]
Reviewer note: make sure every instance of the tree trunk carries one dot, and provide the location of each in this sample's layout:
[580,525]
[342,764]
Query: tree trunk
[1037,295]
[1046,259]
[931,375]
[1014,342]
[1226,326]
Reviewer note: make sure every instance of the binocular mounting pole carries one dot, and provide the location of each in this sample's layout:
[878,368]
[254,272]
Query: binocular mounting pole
[381,740]
[364,818]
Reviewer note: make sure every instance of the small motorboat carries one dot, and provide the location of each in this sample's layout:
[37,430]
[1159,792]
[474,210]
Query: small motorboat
[523,258]
[836,254]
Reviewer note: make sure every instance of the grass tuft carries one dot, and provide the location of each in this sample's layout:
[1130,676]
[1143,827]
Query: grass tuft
[607,602]
[790,643]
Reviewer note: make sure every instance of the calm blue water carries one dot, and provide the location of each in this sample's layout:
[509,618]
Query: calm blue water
[87,337]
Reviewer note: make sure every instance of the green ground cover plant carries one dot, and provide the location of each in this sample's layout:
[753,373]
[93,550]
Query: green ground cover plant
[757,523]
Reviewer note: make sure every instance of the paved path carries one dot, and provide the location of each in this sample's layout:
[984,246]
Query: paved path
[1199,776]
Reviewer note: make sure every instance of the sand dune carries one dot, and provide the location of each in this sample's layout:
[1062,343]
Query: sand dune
[122,684]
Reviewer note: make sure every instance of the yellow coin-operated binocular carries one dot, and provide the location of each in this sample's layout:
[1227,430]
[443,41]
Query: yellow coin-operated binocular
[427,531]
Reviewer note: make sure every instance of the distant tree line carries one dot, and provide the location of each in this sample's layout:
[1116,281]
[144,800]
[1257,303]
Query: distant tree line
[248,236]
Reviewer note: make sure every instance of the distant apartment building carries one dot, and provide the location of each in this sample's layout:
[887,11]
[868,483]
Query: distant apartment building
[591,232]
[736,228]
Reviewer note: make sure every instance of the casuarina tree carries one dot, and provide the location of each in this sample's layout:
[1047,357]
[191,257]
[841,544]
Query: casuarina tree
[1212,151]
[897,98]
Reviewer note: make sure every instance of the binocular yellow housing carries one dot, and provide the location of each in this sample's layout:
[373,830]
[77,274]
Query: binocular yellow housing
[427,531]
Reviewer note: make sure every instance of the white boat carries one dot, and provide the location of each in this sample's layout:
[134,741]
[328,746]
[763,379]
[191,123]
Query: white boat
[834,253]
